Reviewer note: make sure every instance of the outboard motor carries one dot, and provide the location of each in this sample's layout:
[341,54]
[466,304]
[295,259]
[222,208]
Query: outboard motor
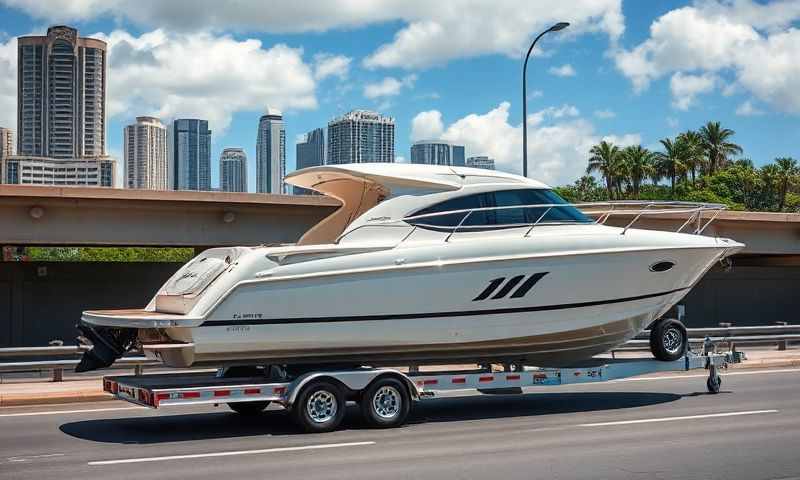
[108,345]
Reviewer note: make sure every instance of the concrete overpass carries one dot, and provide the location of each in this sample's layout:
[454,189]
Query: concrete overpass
[85,216]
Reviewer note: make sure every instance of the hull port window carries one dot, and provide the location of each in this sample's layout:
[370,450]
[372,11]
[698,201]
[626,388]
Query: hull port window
[527,213]
[661,266]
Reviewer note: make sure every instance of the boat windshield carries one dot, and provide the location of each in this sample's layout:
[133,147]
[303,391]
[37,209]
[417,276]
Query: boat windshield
[528,213]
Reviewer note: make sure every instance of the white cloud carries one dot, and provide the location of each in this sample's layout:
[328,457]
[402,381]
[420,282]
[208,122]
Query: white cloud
[558,141]
[427,125]
[747,109]
[433,32]
[8,84]
[672,122]
[388,87]
[535,94]
[686,87]
[328,65]
[605,114]
[203,75]
[751,42]
[441,31]
[565,70]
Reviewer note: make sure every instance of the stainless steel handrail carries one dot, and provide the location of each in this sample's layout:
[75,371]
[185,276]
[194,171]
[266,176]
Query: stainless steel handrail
[623,207]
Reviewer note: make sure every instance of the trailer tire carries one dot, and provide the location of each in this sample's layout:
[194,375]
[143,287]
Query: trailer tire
[319,407]
[668,340]
[385,403]
[248,409]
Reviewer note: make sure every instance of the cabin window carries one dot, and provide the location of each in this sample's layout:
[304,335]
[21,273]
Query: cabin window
[508,217]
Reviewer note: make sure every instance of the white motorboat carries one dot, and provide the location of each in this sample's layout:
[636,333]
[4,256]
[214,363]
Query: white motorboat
[422,264]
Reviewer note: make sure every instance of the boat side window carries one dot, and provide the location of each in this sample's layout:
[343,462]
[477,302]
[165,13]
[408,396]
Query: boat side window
[508,217]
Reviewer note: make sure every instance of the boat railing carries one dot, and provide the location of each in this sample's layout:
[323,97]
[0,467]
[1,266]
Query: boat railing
[601,211]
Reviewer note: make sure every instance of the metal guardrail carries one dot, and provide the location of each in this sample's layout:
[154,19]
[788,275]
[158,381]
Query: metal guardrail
[779,335]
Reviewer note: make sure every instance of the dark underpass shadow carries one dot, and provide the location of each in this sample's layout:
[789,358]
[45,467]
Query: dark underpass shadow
[226,424]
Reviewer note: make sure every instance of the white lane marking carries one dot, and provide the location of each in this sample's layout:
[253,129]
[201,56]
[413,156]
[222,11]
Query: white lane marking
[57,412]
[228,454]
[701,375]
[673,419]
[33,457]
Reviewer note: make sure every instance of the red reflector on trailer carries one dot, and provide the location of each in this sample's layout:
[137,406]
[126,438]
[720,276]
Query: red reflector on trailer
[486,379]
[512,377]
[430,382]
[252,391]
[190,395]
[161,396]
[222,393]
[460,380]
[279,390]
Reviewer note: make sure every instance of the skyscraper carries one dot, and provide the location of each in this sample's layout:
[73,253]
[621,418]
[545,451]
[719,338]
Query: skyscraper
[190,154]
[437,152]
[233,170]
[145,152]
[361,136]
[6,142]
[61,95]
[481,162]
[310,153]
[270,152]
[458,155]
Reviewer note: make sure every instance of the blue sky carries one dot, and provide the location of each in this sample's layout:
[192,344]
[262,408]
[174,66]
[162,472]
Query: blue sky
[632,72]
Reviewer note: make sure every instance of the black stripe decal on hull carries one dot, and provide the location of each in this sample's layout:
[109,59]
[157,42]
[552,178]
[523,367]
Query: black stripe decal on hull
[410,316]
[508,286]
[529,283]
[491,288]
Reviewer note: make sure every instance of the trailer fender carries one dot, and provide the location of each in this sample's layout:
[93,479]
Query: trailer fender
[353,380]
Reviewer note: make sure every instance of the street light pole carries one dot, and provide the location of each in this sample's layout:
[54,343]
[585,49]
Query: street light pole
[558,26]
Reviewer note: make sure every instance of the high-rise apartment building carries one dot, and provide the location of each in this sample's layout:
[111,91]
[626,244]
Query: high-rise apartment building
[270,152]
[361,136]
[189,152]
[61,95]
[310,153]
[233,170]
[145,152]
[84,172]
[6,142]
[481,162]
[437,152]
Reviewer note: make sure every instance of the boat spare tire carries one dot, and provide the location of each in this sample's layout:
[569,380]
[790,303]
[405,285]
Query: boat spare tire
[668,339]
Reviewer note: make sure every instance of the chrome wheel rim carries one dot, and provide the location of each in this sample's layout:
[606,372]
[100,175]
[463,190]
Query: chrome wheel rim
[673,340]
[387,402]
[321,406]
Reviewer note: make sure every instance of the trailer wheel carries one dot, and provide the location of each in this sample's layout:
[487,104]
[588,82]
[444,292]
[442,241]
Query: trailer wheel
[319,407]
[668,340]
[245,408]
[385,403]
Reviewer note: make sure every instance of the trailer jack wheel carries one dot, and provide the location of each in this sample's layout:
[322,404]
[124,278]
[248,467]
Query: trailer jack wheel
[714,381]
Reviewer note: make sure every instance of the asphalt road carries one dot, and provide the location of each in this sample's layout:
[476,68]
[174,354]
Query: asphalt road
[659,428]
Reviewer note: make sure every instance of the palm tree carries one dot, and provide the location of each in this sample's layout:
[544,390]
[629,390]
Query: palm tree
[640,165]
[695,158]
[606,160]
[671,159]
[716,145]
[787,173]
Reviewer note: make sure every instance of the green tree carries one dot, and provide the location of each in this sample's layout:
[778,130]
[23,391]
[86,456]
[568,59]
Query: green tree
[695,159]
[640,165]
[670,161]
[787,172]
[607,160]
[718,148]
